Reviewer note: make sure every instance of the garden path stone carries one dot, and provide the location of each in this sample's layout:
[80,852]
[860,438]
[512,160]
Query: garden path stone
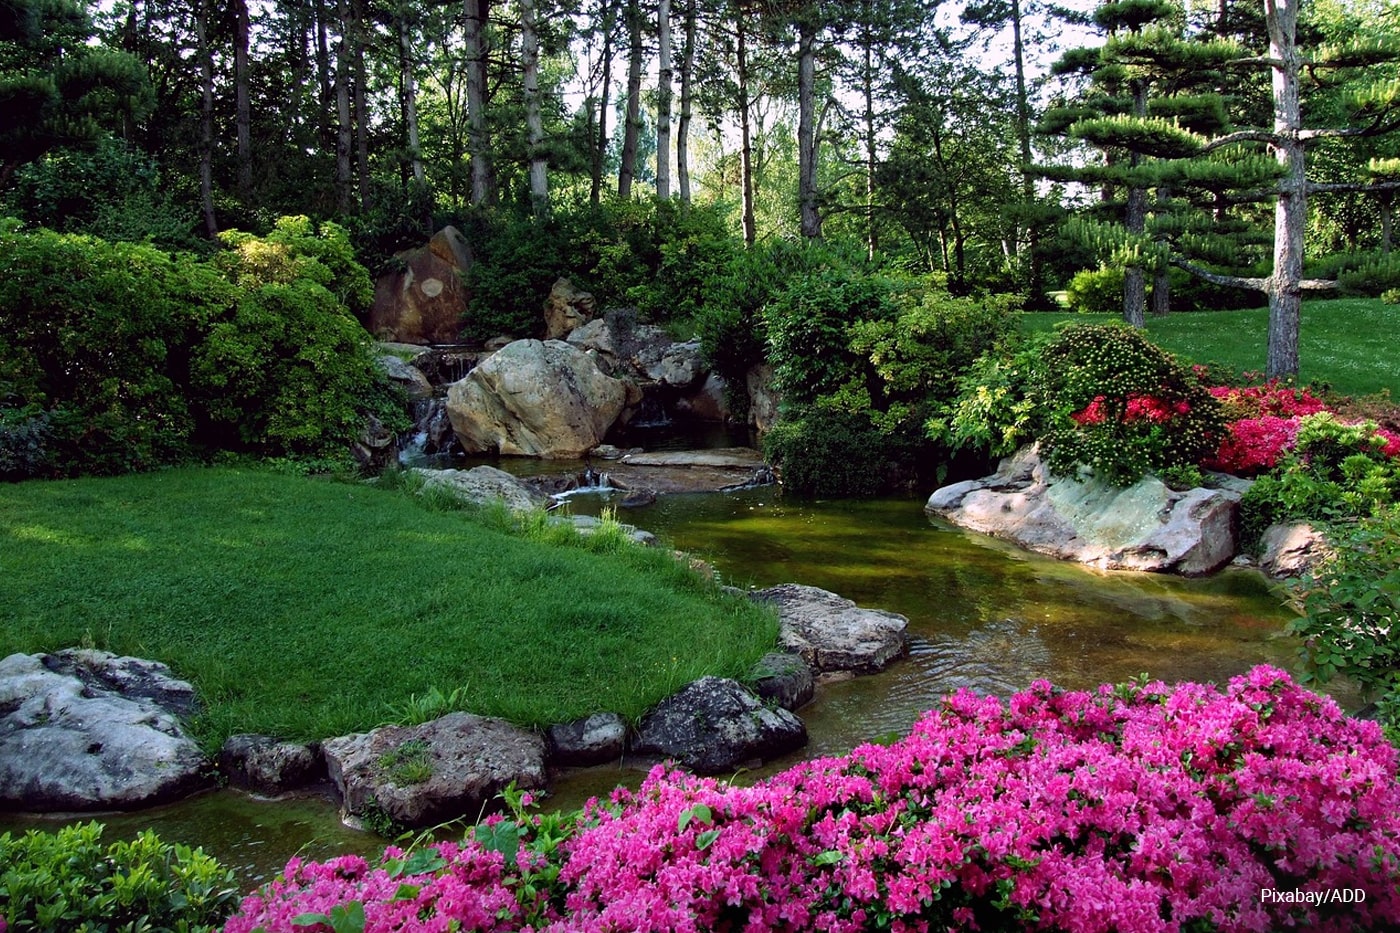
[593,740]
[263,765]
[1146,526]
[831,633]
[422,775]
[715,725]
[87,730]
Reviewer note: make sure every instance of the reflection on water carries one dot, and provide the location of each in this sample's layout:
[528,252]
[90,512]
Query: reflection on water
[983,615]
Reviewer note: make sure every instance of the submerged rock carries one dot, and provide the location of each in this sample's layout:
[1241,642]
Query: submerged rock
[263,765]
[594,740]
[714,725]
[420,776]
[784,678]
[1146,526]
[831,633]
[87,730]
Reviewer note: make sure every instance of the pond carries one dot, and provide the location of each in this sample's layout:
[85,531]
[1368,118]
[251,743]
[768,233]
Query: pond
[982,613]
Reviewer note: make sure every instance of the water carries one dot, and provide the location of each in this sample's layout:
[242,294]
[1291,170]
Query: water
[982,613]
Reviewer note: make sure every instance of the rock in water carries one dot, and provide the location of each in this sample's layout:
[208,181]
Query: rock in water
[442,770]
[87,730]
[483,485]
[1146,526]
[263,765]
[593,740]
[535,399]
[831,633]
[714,725]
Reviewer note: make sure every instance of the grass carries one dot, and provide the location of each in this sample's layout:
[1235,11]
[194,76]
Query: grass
[309,608]
[1345,343]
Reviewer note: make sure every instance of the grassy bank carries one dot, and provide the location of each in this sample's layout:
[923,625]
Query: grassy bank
[1347,343]
[308,608]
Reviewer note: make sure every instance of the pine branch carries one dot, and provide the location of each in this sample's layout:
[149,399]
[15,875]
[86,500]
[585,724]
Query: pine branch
[1318,187]
[1243,136]
[1215,278]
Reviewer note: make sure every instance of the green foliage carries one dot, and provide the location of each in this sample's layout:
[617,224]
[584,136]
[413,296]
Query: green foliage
[1121,406]
[1096,291]
[69,880]
[994,411]
[297,249]
[826,452]
[729,321]
[1351,611]
[1336,472]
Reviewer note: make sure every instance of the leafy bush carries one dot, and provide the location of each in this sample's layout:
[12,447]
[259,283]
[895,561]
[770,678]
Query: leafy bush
[1096,291]
[1351,610]
[1335,472]
[1140,807]
[993,411]
[70,881]
[729,319]
[1122,406]
[297,249]
[826,452]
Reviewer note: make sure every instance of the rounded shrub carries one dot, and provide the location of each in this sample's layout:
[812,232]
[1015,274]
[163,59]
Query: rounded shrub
[830,453]
[70,880]
[1096,291]
[1122,406]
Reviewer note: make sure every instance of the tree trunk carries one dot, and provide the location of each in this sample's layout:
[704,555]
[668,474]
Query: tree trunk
[409,90]
[474,49]
[1284,286]
[344,139]
[324,78]
[1134,278]
[810,219]
[1161,279]
[356,31]
[745,135]
[534,124]
[600,150]
[206,119]
[663,101]
[243,114]
[683,130]
[872,241]
[631,131]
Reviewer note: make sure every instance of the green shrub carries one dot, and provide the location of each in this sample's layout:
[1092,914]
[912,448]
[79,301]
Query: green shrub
[1335,472]
[993,411]
[1351,610]
[70,881]
[297,249]
[1121,406]
[729,321]
[1096,291]
[827,452]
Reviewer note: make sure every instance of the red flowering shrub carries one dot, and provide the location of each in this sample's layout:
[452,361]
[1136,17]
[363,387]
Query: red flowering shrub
[1267,399]
[1253,445]
[1138,808]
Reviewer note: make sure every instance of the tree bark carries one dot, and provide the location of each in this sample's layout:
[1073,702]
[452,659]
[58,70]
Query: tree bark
[344,139]
[1134,278]
[206,119]
[663,101]
[745,134]
[683,129]
[810,219]
[356,31]
[631,131]
[534,124]
[1290,210]
[409,89]
[474,47]
[243,114]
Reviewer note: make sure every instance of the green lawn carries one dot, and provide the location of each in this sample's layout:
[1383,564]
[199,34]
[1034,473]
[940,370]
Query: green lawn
[1348,343]
[308,608]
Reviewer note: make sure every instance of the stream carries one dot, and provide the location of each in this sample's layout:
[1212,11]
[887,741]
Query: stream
[983,615]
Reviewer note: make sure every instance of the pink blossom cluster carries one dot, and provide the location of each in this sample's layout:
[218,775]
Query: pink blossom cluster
[1138,808]
[1270,398]
[1254,445]
[1136,408]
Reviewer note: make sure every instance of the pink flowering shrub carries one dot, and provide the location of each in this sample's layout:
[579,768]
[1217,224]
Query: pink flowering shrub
[1253,445]
[1137,808]
[1270,398]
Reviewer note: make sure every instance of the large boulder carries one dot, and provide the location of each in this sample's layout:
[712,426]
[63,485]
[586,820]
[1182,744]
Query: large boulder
[708,402]
[418,776]
[715,725]
[1292,550]
[413,380]
[423,298]
[535,399]
[566,309]
[87,730]
[1145,526]
[831,633]
[483,485]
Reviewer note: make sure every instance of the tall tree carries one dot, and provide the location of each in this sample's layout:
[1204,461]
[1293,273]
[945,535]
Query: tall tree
[243,108]
[688,44]
[663,100]
[529,40]
[477,13]
[632,123]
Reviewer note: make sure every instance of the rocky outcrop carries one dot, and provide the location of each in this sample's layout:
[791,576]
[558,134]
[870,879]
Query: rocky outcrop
[535,399]
[1146,526]
[594,740]
[414,382]
[263,765]
[482,485]
[587,525]
[783,678]
[87,730]
[1292,550]
[418,776]
[714,725]
[566,309]
[763,398]
[708,402]
[423,298]
[832,633]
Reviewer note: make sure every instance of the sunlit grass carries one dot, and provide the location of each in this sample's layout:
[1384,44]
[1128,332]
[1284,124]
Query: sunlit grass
[307,608]
[1345,343]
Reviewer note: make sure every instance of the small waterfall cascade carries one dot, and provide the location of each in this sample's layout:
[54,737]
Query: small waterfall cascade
[431,434]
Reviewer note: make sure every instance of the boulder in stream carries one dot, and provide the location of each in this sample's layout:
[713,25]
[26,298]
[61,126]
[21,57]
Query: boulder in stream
[784,678]
[831,633]
[87,730]
[264,765]
[593,740]
[715,725]
[418,776]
